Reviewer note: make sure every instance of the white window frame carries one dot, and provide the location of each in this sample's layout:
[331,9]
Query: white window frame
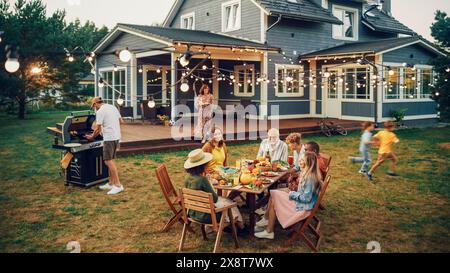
[116,93]
[341,85]
[402,74]
[238,69]
[239,15]
[187,16]
[325,4]
[285,67]
[355,26]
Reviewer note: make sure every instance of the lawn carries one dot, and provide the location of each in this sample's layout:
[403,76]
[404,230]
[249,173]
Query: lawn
[39,214]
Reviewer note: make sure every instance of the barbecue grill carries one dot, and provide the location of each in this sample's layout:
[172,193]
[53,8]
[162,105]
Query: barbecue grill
[85,166]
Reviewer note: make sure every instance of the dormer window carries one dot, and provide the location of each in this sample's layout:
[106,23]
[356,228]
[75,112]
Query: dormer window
[188,21]
[349,30]
[231,16]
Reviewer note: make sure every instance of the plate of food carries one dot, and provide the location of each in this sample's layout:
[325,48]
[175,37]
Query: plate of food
[270,174]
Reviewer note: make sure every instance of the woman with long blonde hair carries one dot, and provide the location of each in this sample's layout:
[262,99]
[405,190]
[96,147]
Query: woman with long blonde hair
[293,206]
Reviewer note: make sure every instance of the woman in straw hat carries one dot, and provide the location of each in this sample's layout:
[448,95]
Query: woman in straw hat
[195,166]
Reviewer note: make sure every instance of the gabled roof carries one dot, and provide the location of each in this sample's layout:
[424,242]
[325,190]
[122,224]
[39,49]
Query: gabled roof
[379,20]
[173,12]
[306,10]
[372,47]
[171,36]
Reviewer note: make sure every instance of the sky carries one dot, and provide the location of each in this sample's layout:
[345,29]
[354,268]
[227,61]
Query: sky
[416,14]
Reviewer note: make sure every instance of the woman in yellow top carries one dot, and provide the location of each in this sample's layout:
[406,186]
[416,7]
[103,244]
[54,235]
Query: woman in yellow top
[217,147]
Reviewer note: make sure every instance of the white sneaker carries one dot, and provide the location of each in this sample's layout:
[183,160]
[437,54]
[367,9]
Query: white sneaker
[263,222]
[115,190]
[265,235]
[107,186]
[260,211]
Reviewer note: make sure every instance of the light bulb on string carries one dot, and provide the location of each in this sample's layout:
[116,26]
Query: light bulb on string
[125,55]
[36,70]
[101,83]
[116,68]
[391,72]
[158,70]
[12,59]
[120,101]
[151,103]
[184,86]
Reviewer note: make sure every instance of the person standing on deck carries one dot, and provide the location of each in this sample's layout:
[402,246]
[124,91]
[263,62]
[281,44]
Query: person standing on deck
[204,105]
[108,120]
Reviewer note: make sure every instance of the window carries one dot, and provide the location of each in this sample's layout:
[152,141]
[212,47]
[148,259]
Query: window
[245,80]
[349,30]
[290,80]
[392,83]
[410,89]
[426,83]
[408,83]
[231,16]
[115,86]
[332,84]
[188,21]
[356,83]
[325,4]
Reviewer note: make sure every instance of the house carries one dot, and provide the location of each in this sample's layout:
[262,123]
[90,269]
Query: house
[312,58]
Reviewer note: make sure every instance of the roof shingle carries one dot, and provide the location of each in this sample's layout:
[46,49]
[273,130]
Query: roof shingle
[381,21]
[302,10]
[177,35]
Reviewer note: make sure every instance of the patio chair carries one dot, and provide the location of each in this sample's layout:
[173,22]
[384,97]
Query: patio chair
[309,229]
[147,113]
[171,196]
[194,200]
[328,159]
[127,113]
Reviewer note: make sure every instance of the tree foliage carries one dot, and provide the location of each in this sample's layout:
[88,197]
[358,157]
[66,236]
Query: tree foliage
[41,39]
[440,31]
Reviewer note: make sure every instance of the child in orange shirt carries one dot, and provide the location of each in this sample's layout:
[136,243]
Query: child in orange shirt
[385,139]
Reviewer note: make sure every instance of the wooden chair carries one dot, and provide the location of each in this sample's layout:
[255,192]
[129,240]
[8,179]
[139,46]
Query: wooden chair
[327,159]
[193,200]
[171,196]
[311,224]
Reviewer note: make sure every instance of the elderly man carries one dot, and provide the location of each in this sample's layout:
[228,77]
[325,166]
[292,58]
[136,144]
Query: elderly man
[108,121]
[278,150]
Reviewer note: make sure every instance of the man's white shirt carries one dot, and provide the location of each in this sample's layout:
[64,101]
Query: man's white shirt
[109,118]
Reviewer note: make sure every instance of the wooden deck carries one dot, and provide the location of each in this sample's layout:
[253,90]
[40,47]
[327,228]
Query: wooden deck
[139,137]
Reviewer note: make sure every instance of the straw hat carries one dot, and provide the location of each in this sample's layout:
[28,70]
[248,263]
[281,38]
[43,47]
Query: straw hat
[197,158]
[96,100]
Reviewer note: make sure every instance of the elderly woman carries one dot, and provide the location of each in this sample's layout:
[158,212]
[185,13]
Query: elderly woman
[204,105]
[277,149]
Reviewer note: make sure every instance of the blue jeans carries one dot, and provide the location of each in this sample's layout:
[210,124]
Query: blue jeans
[364,159]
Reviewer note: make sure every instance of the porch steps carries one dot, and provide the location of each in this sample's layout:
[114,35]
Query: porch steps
[163,145]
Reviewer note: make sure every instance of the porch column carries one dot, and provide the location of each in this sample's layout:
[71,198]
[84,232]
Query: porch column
[96,78]
[379,89]
[263,111]
[164,85]
[173,87]
[313,89]
[133,85]
[216,82]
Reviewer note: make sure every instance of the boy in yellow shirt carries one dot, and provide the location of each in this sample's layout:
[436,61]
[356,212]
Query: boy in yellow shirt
[385,139]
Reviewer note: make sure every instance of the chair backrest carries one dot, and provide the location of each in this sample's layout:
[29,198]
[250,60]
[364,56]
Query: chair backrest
[319,201]
[199,201]
[169,192]
[147,113]
[327,159]
[126,112]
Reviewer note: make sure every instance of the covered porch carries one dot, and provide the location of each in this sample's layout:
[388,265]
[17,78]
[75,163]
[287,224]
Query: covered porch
[156,81]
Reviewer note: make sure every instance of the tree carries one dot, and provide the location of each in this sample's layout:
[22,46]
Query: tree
[41,40]
[440,30]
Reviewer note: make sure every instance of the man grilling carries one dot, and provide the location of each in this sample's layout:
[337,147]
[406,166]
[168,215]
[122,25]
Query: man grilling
[108,120]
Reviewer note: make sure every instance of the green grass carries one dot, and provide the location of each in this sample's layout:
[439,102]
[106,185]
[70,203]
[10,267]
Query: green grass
[39,214]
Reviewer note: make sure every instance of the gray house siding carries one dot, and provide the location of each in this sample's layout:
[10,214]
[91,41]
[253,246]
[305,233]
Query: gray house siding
[413,108]
[414,54]
[358,109]
[208,16]
[106,58]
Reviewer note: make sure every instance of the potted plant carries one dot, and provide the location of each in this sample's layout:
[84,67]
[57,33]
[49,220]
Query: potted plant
[399,116]
[164,119]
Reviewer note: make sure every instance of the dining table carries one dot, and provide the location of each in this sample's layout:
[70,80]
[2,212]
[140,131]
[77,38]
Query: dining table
[251,194]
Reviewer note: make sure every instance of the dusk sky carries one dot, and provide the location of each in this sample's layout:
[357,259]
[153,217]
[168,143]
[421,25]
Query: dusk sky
[416,14]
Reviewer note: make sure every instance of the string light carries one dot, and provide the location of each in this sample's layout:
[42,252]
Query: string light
[12,59]
[151,103]
[36,70]
[125,55]
[101,83]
